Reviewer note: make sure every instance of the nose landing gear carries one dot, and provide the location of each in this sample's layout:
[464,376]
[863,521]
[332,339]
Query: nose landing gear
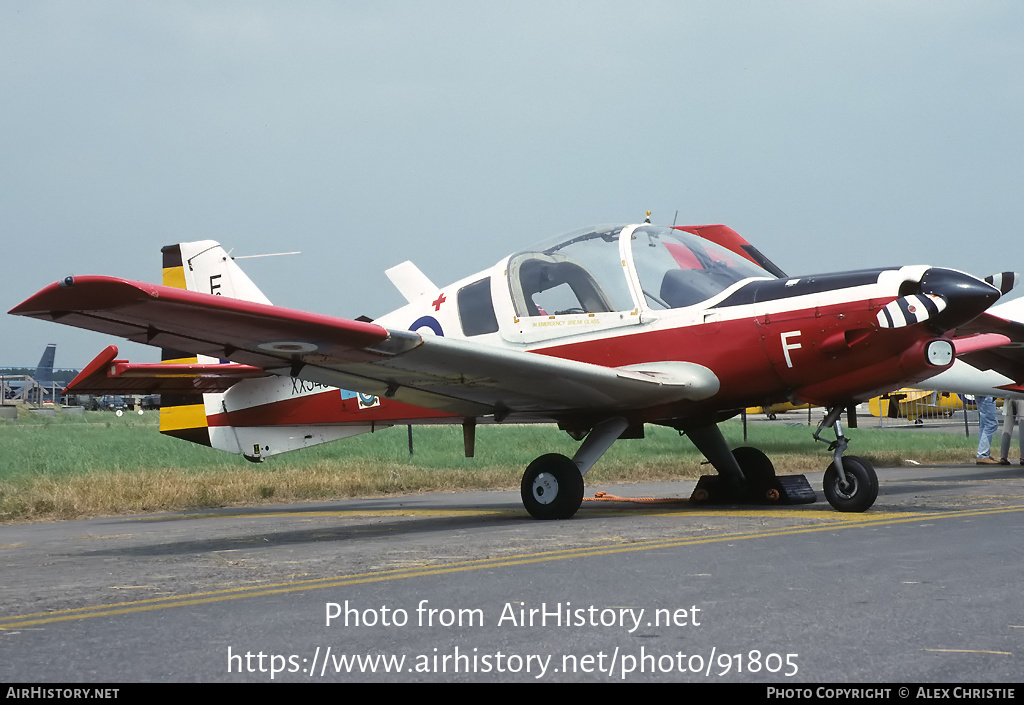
[851,484]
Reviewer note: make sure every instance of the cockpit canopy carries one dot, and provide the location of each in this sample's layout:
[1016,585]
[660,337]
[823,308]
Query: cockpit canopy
[577,273]
[593,271]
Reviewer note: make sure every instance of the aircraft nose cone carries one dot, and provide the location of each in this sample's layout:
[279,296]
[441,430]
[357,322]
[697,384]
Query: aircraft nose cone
[966,297]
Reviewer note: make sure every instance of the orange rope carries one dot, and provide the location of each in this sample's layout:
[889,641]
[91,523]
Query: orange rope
[605,497]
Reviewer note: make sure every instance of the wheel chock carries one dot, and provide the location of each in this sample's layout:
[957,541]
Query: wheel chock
[782,489]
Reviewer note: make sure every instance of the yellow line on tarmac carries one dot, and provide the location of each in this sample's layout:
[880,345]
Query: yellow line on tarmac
[32,620]
[829,515]
[370,513]
[632,509]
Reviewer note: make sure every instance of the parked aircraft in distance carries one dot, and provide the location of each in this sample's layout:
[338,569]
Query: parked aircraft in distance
[43,376]
[916,404]
[774,410]
[600,331]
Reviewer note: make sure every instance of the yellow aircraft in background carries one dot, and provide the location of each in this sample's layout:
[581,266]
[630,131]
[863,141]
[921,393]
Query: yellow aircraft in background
[913,404]
[774,409]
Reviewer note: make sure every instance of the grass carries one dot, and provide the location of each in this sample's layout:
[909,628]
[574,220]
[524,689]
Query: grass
[73,466]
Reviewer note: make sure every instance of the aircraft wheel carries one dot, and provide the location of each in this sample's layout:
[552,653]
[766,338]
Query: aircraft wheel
[862,490]
[552,487]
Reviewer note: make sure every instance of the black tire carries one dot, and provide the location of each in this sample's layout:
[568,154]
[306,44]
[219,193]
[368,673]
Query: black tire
[552,487]
[863,490]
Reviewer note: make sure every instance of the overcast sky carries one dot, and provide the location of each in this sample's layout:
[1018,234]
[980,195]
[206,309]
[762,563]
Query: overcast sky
[833,135]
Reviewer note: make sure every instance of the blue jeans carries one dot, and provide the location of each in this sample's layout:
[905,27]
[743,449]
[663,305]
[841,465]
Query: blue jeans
[987,425]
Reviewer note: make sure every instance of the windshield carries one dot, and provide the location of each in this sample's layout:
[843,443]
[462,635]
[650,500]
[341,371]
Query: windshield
[578,273]
[678,269]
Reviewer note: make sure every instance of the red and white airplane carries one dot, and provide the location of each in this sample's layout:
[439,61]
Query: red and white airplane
[601,331]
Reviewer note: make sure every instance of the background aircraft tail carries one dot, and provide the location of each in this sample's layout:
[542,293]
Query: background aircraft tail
[44,370]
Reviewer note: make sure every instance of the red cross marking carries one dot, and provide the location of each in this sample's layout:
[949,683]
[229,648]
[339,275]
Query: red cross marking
[437,304]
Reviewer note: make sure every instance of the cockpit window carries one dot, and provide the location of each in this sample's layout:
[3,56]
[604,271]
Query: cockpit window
[578,273]
[476,310]
[678,269]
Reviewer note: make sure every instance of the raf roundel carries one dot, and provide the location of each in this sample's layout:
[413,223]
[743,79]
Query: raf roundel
[427,322]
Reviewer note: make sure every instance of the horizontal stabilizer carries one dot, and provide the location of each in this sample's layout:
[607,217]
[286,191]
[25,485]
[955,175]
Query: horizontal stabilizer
[108,375]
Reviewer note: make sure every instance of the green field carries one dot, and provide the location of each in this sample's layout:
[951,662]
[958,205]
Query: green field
[95,463]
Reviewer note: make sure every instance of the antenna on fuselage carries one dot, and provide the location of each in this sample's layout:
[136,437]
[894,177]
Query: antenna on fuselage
[269,254]
[648,218]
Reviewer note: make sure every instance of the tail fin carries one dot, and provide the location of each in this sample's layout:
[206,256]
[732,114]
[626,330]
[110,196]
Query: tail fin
[205,266]
[732,240]
[44,370]
[198,266]
[257,417]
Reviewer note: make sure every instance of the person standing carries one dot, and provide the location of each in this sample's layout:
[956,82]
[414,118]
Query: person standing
[1013,410]
[987,426]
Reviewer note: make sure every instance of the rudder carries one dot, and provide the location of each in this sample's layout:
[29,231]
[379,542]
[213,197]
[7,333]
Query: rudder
[205,266]
[184,415]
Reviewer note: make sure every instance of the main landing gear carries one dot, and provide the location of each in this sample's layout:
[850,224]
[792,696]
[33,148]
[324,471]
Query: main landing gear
[851,484]
[745,475]
[552,486]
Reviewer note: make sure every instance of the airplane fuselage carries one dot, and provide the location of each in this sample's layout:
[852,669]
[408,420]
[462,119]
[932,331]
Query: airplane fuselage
[811,339]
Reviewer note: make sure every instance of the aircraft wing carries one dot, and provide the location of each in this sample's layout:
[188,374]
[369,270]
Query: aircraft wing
[455,376]
[108,375]
[1005,351]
